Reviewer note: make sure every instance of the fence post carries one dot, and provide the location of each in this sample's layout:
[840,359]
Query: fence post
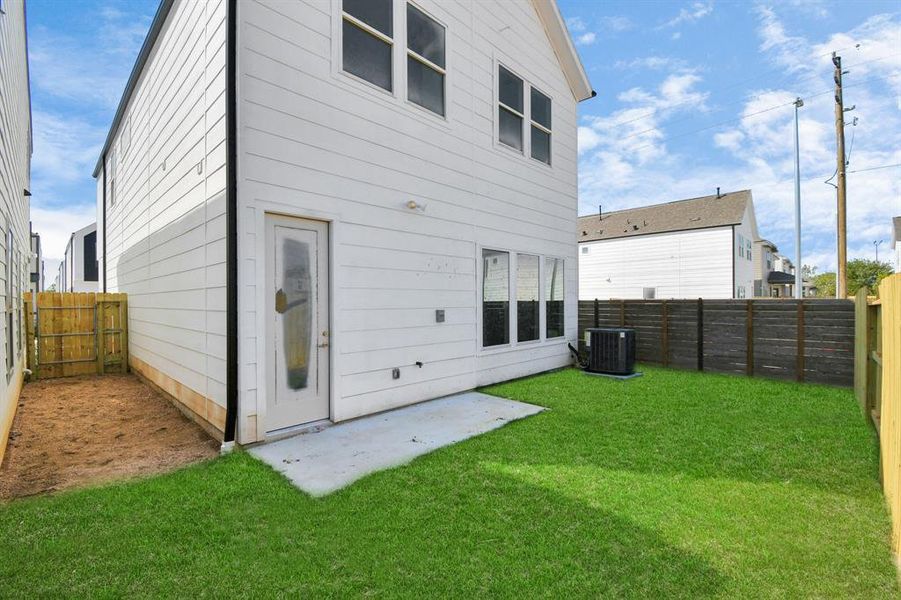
[123,327]
[700,334]
[800,352]
[749,335]
[664,333]
[99,326]
[597,314]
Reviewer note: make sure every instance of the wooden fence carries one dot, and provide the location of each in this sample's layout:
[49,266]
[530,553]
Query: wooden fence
[877,384]
[804,340]
[76,334]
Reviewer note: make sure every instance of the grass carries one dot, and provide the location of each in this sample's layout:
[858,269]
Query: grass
[677,484]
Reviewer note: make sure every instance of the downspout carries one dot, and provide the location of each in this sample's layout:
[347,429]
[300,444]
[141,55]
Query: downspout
[231,225]
[103,250]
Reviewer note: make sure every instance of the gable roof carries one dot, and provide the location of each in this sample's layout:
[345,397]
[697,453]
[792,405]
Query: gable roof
[896,233]
[680,215]
[562,43]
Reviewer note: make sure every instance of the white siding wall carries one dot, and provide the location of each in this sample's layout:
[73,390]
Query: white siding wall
[166,230]
[316,143]
[682,264]
[744,267]
[74,261]
[15,177]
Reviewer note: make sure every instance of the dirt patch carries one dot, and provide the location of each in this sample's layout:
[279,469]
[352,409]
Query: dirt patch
[77,430]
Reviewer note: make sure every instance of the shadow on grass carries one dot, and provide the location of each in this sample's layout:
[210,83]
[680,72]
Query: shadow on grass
[235,526]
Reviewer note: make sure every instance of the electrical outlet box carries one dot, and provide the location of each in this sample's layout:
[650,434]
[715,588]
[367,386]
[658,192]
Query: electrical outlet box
[439,316]
[395,373]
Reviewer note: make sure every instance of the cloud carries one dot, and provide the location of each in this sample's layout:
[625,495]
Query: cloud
[655,63]
[630,156]
[690,14]
[616,24]
[56,226]
[586,39]
[576,24]
[65,150]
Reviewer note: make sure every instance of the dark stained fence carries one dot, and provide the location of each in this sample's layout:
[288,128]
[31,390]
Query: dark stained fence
[803,340]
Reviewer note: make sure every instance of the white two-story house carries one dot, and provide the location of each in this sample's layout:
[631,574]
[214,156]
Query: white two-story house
[695,248]
[325,209]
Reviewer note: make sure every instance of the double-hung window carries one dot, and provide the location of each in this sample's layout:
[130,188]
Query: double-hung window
[425,61]
[510,108]
[527,298]
[541,126]
[367,40]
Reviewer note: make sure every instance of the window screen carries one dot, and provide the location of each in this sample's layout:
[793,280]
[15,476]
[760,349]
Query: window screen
[510,107]
[495,297]
[541,126]
[553,286]
[527,297]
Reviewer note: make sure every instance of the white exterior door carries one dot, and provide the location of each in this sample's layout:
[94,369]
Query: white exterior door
[297,273]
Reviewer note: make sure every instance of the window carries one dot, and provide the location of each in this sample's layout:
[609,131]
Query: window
[748,248]
[741,245]
[90,256]
[553,296]
[584,249]
[648,293]
[495,298]
[510,108]
[541,126]
[367,40]
[527,298]
[740,292]
[425,61]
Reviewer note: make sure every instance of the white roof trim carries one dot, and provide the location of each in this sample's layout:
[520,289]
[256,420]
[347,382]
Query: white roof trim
[563,46]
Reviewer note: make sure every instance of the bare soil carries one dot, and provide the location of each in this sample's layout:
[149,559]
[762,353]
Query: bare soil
[74,431]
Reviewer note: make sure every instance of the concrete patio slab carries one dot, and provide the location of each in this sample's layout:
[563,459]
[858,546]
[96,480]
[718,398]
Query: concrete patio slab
[327,460]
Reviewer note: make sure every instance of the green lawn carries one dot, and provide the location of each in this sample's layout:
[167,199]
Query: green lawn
[676,484]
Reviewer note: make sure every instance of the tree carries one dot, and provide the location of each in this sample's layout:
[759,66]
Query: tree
[861,272]
[825,284]
[808,272]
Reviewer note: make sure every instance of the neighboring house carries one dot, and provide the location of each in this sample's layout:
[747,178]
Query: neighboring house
[896,242]
[764,258]
[36,264]
[15,181]
[79,267]
[322,210]
[781,279]
[695,248]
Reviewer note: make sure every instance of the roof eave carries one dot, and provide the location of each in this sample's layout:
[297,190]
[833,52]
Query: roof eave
[155,27]
[558,34]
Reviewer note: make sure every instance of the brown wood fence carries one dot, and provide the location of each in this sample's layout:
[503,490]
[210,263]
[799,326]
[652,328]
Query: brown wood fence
[804,340]
[877,384]
[76,334]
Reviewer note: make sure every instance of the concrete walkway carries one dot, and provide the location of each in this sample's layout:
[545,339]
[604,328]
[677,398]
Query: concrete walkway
[325,461]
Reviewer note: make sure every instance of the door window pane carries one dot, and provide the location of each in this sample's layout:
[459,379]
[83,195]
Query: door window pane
[495,298]
[366,56]
[527,297]
[509,89]
[510,128]
[425,36]
[553,286]
[295,303]
[375,13]
[425,86]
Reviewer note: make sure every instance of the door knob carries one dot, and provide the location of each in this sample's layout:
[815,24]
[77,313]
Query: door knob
[281,301]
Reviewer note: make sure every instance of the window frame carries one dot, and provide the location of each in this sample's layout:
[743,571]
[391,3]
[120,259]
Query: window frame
[343,16]
[408,53]
[527,122]
[536,124]
[513,343]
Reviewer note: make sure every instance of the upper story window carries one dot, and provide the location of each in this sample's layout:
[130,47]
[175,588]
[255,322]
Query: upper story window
[368,39]
[541,127]
[513,105]
[748,248]
[425,61]
[510,108]
[741,245]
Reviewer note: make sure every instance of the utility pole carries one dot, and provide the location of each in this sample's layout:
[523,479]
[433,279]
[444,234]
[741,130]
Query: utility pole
[799,291]
[876,243]
[841,288]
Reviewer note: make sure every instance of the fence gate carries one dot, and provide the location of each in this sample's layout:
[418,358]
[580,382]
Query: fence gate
[76,334]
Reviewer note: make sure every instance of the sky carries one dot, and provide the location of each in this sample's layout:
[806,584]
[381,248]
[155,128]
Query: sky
[692,96]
